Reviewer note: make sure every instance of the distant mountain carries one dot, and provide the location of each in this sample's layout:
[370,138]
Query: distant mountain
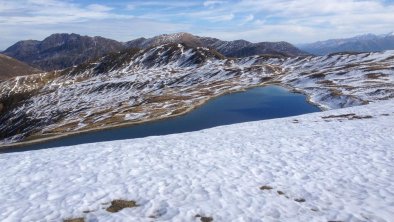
[10,68]
[59,51]
[237,48]
[362,43]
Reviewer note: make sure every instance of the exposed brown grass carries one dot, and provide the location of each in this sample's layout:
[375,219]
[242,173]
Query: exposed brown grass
[335,92]
[348,66]
[326,82]
[375,75]
[317,75]
[80,219]
[118,205]
[204,219]
[265,187]
[178,111]
[163,98]
[299,200]
[10,68]
[266,79]
[273,69]
[350,116]
[375,68]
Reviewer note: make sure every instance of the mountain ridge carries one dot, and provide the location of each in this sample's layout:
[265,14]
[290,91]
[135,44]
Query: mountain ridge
[10,68]
[236,48]
[361,43]
[62,50]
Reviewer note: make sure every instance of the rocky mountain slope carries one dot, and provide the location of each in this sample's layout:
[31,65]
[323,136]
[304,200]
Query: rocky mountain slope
[60,51]
[10,68]
[237,48]
[166,80]
[363,43]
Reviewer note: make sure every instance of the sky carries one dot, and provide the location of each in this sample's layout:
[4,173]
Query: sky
[295,21]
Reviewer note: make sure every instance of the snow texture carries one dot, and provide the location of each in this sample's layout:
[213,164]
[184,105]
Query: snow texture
[330,166]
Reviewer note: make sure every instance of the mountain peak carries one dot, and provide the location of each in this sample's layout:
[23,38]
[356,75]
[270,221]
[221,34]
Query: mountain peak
[62,50]
[367,36]
[177,34]
[389,34]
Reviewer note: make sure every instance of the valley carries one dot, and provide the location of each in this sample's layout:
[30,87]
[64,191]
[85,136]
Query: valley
[168,80]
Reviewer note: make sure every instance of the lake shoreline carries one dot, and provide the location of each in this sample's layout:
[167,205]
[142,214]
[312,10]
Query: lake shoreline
[53,137]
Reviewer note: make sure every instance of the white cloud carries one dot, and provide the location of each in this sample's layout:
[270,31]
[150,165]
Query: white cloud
[211,3]
[125,29]
[264,20]
[99,8]
[220,18]
[163,4]
[306,20]
[249,18]
[50,12]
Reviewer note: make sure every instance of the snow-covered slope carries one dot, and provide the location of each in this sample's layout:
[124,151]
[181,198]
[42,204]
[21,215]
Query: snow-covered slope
[236,48]
[163,81]
[330,166]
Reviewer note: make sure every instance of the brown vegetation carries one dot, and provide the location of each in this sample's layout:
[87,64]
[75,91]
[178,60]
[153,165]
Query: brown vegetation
[265,187]
[375,75]
[204,219]
[80,219]
[118,205]
[10,68]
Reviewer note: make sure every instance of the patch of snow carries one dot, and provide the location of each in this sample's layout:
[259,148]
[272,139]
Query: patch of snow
[341,167]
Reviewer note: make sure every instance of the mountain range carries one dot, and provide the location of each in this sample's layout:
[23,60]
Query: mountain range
[361,43]
[60,51]
[236,48]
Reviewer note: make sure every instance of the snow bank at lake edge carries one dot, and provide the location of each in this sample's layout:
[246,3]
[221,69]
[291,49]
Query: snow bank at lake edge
[341,165]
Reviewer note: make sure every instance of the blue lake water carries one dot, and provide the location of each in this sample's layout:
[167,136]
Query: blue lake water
[254,104]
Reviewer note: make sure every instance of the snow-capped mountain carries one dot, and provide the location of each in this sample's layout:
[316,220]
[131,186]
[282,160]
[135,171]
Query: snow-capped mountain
[60,51]
[236,48]
[361,43]
[166,80]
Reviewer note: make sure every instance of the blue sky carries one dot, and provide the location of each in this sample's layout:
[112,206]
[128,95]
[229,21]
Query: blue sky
[295,21]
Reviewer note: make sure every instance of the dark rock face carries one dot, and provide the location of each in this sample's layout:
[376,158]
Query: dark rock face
[59,51]
[363,43]
[272,48]
[10,68]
